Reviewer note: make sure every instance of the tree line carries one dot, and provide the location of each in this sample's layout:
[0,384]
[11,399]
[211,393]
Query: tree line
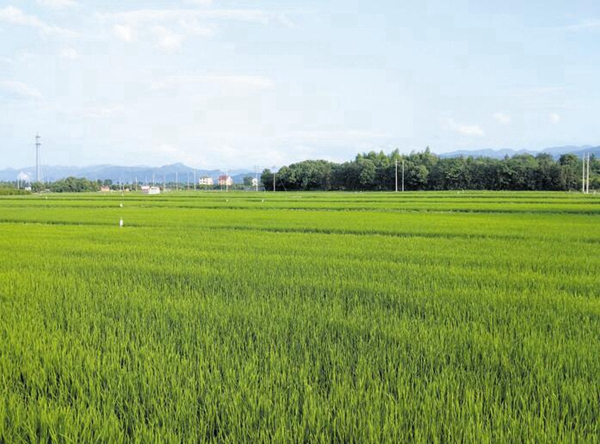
[67,185]
[376,171]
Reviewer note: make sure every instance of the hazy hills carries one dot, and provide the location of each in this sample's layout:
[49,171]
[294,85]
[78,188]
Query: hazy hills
[125,174]
[555,152]
[182,173]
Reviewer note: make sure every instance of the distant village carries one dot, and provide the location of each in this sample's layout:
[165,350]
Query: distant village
[224,182]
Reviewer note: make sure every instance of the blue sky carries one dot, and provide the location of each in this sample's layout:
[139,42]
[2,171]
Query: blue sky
[227,84]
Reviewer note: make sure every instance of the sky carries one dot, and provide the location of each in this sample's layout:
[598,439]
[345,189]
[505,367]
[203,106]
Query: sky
[247,83]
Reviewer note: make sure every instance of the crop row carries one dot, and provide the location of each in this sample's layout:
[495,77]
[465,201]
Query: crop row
[257,325]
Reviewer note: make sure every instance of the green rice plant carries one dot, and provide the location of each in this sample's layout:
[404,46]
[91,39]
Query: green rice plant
[425,317]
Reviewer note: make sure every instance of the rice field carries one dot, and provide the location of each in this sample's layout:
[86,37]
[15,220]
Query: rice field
[312,317]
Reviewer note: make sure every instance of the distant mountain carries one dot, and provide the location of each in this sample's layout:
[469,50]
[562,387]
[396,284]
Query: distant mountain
[143,174]
[180,172]
[555,152]
[579,151]
[495,154]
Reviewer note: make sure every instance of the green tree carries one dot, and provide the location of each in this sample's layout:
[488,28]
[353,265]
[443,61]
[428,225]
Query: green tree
[73,185]
[570,172]
[266,179]
[416,176]
[366,177]
[548,173]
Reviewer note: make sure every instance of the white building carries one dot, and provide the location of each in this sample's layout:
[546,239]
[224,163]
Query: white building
[150,190]
[206,181]
[225,180]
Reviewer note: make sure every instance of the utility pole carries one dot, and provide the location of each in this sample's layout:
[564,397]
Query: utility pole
[583,175]
[176,181]
[587,185]
[403,175]
[585,178]
[274,174]
[396,176]
[38,171]
[195,180]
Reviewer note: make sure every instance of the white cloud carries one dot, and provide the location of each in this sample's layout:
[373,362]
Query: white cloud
[193,26]
[102,111]
[200,2]
[286,21]
[555,118]
[337,136]
[502,119]
[174,25]
[57,4]
[165,148]
[69,54]
[15,16]
[167,39]
[167,153]
[93,112]
[124,32]
[6,60]
[13,88]
[142,16]
[533,92]
[465,130]
[540,98]
[254,82]
[586,25]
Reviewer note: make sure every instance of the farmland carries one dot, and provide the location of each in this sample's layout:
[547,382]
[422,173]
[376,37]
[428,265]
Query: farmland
[313,317]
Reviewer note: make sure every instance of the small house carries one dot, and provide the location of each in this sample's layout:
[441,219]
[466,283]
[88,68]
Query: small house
[225,180]
[150,190]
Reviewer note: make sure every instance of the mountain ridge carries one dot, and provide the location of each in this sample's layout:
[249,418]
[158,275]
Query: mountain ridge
[555,152]
[180,172]
[124,174]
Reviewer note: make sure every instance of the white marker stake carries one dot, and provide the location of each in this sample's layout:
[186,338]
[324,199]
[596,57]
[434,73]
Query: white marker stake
[121,223]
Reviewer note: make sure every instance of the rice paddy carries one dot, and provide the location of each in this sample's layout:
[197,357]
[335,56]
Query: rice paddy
[313,317]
